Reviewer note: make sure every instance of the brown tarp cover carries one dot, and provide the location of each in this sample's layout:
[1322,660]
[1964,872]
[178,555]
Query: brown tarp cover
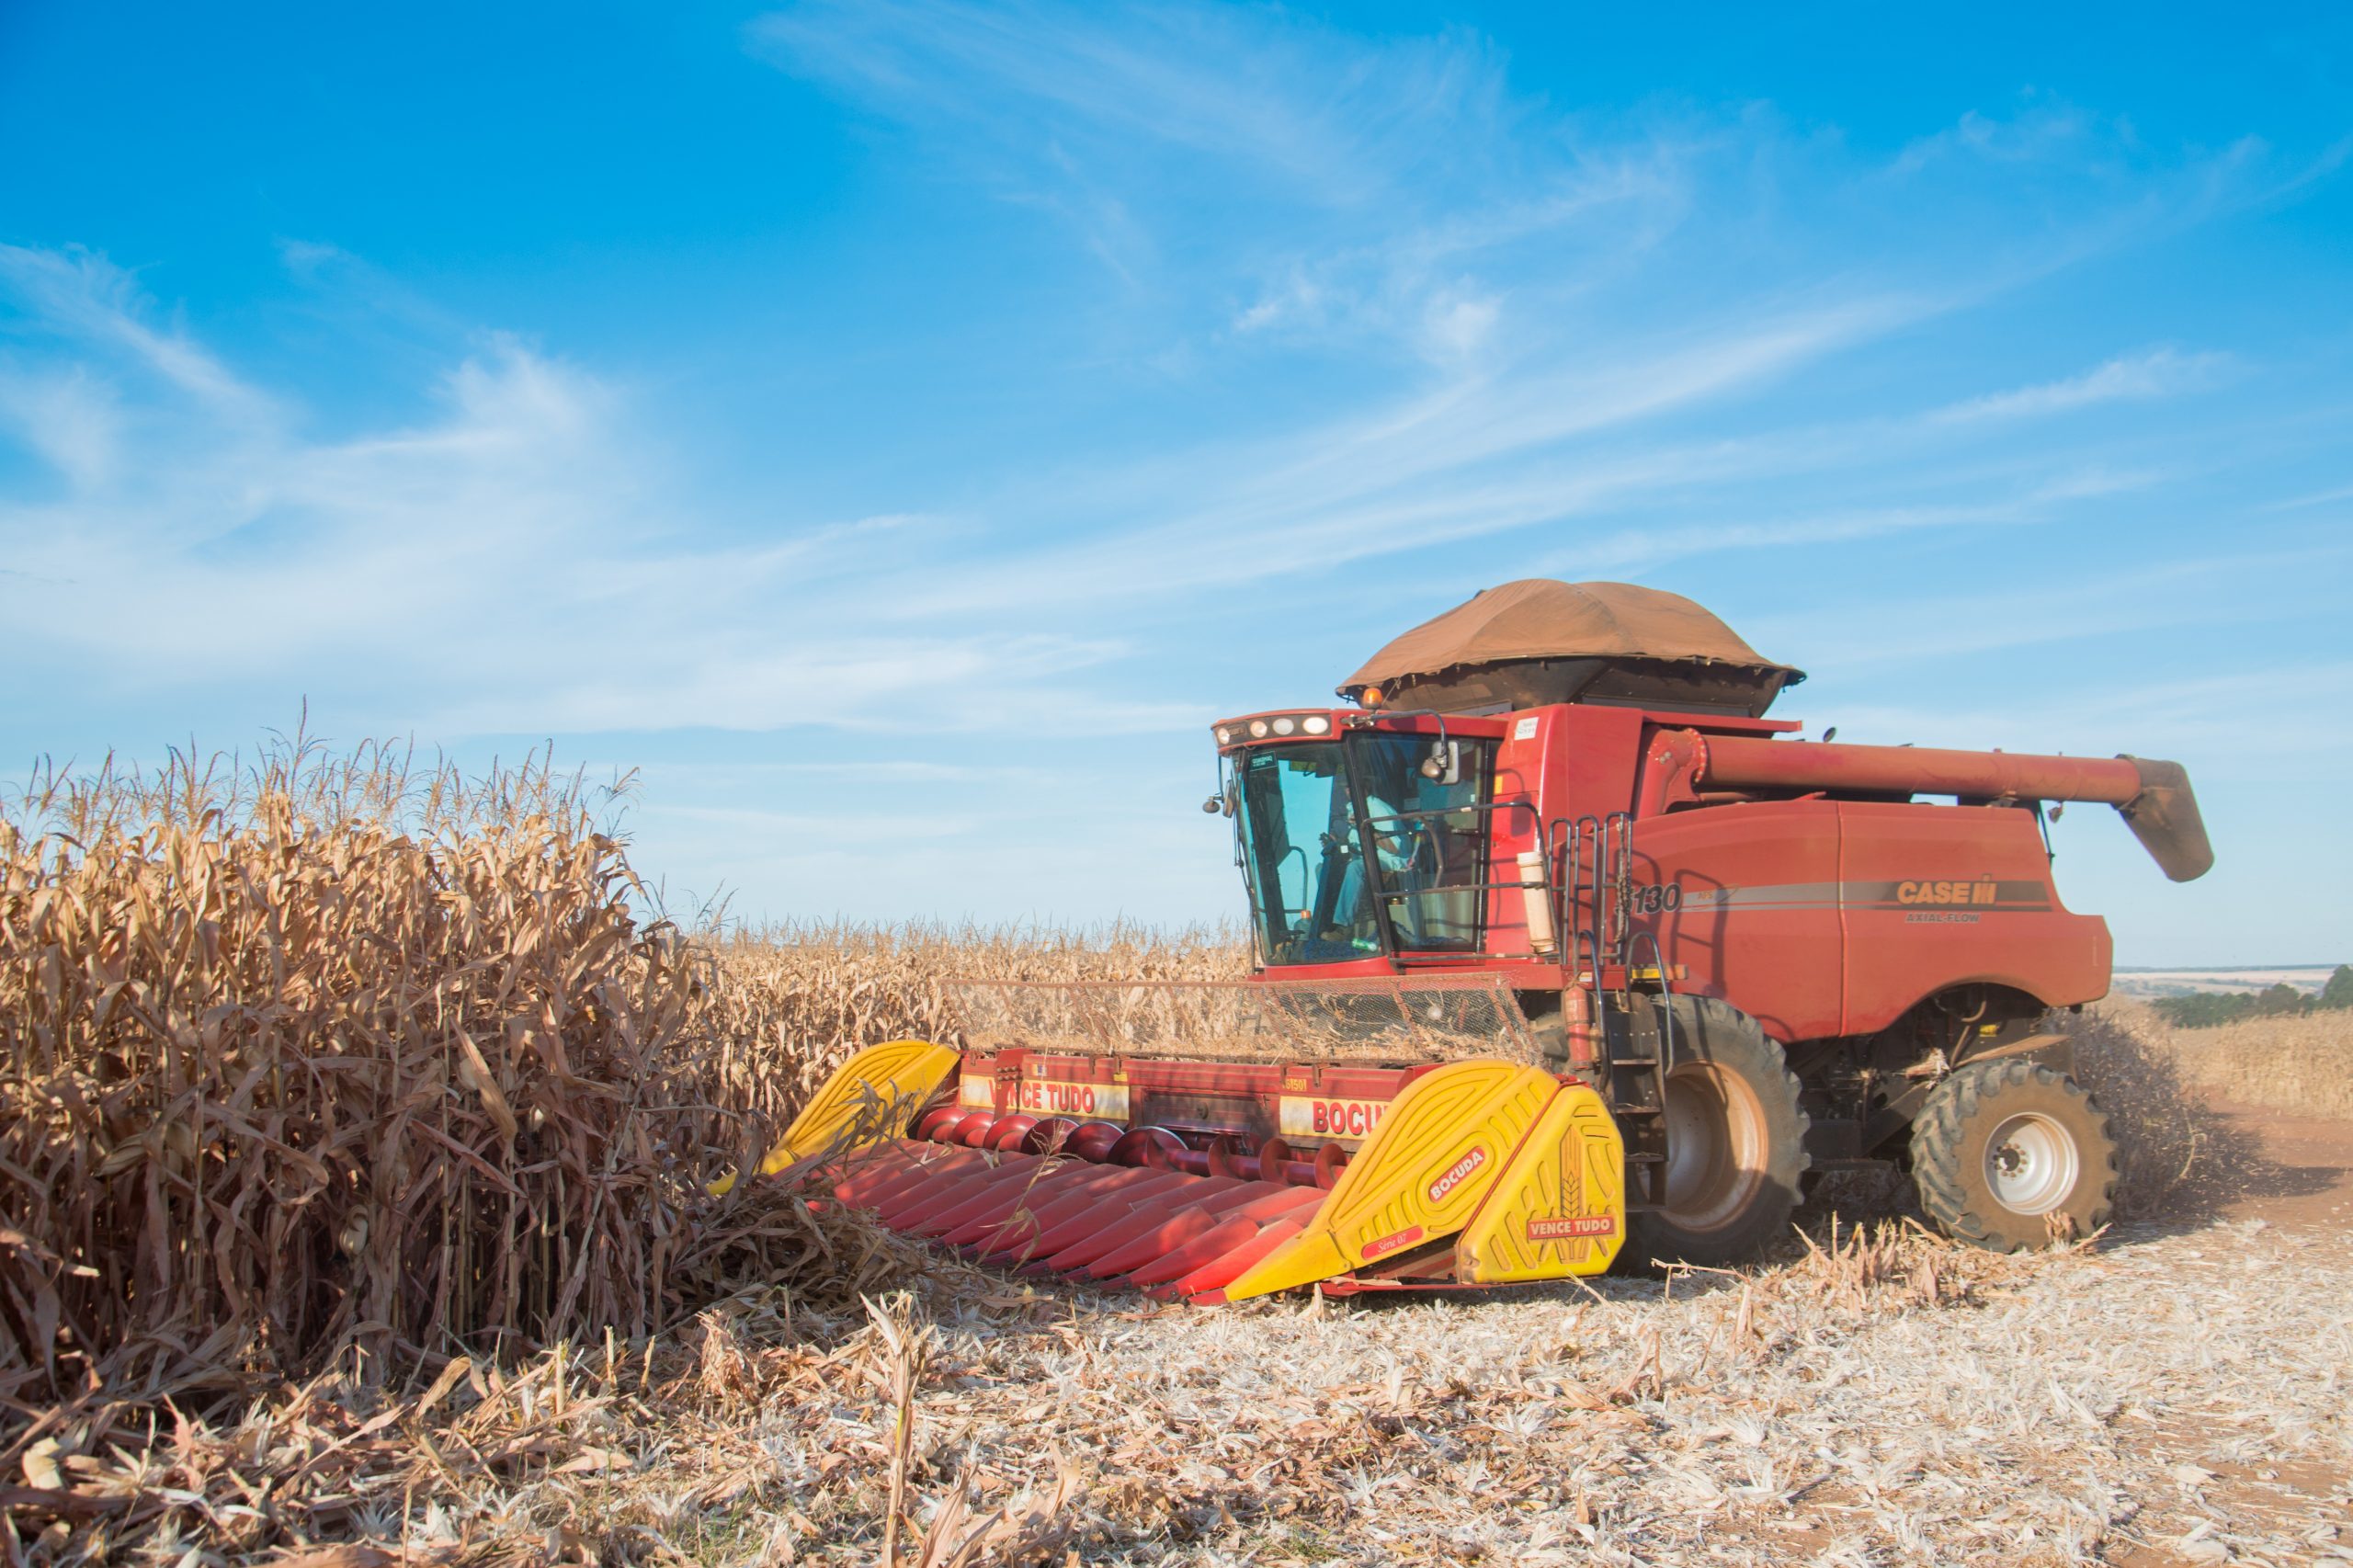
[1538,617]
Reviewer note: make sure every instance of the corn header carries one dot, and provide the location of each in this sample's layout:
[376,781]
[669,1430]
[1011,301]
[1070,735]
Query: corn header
[1373,1135]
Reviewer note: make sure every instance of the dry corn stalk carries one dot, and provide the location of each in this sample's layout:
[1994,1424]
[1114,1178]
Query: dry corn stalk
[325,1054]
[1024,1528]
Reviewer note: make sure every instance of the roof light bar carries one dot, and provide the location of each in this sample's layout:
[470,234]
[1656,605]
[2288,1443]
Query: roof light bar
[1273,726]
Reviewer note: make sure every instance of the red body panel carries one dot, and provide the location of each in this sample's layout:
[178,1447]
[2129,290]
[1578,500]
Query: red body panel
[1738,762]
[1832,917]
[1935,896]
[1758,922]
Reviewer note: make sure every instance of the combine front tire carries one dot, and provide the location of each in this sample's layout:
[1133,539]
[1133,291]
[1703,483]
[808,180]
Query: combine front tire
[1735,1142]
[2010,1155]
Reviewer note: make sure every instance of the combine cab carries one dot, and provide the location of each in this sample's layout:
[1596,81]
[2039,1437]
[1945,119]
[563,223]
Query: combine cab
[1563,946]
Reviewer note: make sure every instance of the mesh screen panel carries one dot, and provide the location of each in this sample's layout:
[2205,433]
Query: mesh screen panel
[1401,1019]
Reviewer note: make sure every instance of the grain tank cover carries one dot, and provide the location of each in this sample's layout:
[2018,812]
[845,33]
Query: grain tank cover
[1537,642]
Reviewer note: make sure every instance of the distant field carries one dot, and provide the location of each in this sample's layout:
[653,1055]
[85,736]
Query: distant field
[2149,984]
[2303,1065]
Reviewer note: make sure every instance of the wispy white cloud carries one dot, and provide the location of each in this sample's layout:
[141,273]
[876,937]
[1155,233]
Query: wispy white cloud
[1570,379]
[68,418]
[1536,407]
[2328,497]
[78,292]
[2042,129]
[828,826]
[2161,372]
[1457,323]
[2172,596]
[1280,336]
[1330,117]
[1360,184]
[876,770]
[508,562]
[2242,723]
[1478,457]
[1635,550]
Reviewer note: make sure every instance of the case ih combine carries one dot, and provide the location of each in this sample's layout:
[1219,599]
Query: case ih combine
[1563,946]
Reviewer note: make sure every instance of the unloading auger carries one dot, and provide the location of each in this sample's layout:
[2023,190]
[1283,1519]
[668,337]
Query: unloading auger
[1216,1180]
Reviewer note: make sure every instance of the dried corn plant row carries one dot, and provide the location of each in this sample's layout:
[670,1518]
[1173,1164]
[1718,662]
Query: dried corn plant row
[786,1004]
[336,1052]
[2176,1155]
[332,1052]
[2302,1065]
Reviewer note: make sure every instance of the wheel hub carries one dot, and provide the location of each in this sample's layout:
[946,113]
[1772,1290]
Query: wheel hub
[2031,1164]
[1715,1146]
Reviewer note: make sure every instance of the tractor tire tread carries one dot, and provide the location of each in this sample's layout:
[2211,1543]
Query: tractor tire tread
[1967,1211]
[1712,1022]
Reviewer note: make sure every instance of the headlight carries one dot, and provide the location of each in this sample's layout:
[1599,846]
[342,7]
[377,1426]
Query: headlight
[1315,724]
[1284,726]
[1224,735]
[1258,729]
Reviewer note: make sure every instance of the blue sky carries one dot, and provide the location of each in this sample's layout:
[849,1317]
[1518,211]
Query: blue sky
[898,430]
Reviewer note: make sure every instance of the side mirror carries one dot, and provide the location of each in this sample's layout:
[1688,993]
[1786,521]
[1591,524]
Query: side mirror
[1213,805]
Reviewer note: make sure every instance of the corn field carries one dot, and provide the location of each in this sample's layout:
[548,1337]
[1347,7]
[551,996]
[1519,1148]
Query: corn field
[2300,1064]
[330,1055]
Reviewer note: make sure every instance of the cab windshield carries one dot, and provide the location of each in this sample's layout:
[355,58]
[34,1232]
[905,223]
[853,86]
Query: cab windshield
[1307,813]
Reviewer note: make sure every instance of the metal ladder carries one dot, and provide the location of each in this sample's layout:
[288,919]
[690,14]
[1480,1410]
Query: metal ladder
[1597,909]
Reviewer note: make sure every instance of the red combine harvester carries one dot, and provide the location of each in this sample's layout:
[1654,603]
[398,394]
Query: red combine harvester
[1562,946]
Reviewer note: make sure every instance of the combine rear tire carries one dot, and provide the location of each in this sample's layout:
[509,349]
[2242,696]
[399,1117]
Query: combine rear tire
[2010,1155]
[1735,1142]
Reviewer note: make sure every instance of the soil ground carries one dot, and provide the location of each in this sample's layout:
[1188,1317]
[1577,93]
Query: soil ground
[2299,1181]
[2302,1176]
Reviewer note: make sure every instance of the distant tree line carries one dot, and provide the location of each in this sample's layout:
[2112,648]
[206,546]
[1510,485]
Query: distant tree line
[2207,1009]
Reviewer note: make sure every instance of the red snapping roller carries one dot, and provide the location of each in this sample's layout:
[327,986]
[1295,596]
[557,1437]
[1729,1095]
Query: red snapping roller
[1060,1213]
